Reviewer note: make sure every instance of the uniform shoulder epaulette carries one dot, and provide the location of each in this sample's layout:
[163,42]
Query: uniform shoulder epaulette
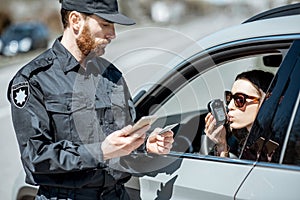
[42,61]
[23,75]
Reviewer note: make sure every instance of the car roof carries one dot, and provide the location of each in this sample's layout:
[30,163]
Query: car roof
[272,27]
[279,26]
[275,22]
[287,10]
[278,21]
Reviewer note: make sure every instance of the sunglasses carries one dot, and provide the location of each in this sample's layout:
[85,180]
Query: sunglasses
[239,99]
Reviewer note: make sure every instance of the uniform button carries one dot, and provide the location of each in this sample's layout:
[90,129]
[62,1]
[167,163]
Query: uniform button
[49,58]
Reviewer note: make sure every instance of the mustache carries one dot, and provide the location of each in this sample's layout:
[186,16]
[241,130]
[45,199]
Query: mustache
[87,42]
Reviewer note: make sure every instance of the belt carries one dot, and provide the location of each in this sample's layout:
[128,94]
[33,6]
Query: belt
[57,193]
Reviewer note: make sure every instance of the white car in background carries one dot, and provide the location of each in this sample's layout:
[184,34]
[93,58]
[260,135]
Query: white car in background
[265,41]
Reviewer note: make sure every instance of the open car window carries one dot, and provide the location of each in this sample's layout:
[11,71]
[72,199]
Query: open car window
[209,85]
[188,104]
[182,96]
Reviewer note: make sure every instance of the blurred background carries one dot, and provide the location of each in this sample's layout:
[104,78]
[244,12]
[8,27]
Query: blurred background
[167,13]
[145,12]
[28,27]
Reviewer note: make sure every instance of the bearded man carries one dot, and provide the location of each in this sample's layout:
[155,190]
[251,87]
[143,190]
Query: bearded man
[72,111]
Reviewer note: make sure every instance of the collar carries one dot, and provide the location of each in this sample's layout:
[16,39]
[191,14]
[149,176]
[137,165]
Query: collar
[65,58]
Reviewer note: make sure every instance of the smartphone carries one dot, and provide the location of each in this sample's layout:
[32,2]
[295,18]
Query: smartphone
[144,121]
[217,108]
[260,143]
[271,146]
[168,128]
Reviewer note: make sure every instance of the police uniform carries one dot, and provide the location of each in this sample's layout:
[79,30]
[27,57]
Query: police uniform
[61,114]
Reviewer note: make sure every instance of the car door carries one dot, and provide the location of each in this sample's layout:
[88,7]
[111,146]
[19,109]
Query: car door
[183,97]
[277,174]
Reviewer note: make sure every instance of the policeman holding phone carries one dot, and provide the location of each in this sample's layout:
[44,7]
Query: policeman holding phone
[71,110]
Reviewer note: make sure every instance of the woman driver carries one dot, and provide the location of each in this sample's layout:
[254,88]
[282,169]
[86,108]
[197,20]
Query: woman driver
[244,100]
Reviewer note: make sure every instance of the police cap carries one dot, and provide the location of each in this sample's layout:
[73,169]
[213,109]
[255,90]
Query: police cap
[105,9]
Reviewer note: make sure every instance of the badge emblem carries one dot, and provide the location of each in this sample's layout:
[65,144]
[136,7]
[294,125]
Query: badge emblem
[20,94]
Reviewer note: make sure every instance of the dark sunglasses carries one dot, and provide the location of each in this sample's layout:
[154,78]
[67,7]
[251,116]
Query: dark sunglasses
[239,98]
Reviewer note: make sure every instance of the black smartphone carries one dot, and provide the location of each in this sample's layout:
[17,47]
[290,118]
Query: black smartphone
[271,146]
[217,108]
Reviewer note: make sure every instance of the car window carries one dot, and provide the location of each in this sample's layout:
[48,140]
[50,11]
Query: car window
[183,94]
[188,104]
[210,84]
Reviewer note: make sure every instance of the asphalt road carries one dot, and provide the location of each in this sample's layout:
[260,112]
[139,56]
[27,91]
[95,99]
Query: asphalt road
[9,154]
[140,52]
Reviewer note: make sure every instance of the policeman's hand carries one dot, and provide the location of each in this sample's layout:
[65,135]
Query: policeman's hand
[119,143]
[216,134]
[160,144]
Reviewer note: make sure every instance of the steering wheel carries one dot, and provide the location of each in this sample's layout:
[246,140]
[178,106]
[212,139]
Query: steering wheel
[207,145]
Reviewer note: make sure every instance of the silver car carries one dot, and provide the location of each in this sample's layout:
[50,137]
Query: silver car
[268,41]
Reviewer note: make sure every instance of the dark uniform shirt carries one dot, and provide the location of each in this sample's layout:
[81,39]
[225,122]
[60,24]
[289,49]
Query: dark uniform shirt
[61,114]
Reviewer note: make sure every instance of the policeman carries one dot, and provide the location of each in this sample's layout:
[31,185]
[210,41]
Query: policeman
[72,110]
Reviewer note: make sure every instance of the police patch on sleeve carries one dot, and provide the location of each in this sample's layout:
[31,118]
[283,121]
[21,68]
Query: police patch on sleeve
[20,94]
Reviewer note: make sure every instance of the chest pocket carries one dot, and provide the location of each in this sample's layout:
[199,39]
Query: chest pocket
[72,118]
[111,107]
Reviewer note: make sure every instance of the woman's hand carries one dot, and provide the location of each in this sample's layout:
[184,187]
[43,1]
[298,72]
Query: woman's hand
[216,134]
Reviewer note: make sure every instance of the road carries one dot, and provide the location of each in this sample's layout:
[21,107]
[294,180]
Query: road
[9,154]
[141,53]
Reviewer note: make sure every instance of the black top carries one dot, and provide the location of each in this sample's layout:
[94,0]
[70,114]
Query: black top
[61,114]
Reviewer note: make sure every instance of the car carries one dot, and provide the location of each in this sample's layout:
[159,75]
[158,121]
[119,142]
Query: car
[267,41]
[24,37]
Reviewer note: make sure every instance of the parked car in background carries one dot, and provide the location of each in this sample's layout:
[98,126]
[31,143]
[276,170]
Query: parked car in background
[269,41]
[24,37]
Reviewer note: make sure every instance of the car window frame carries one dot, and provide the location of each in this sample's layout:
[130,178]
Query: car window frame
[190,68]
[220,54]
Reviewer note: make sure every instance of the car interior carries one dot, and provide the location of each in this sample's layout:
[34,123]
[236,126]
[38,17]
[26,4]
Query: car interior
[184,99]
[186,103]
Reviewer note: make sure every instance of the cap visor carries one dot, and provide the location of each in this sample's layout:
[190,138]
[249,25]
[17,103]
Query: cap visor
[116,18]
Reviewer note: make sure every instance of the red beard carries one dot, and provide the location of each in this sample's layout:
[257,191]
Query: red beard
[86,42]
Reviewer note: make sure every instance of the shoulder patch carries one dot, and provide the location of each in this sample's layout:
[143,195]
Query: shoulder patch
[20,94]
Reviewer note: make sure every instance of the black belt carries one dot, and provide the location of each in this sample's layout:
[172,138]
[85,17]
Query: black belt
[107,193]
